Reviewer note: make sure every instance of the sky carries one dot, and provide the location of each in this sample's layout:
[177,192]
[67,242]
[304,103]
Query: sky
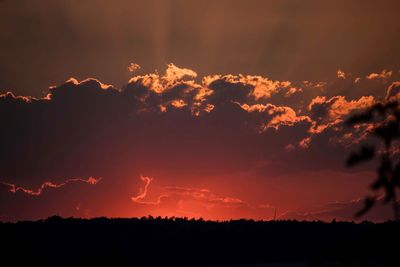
[215,109]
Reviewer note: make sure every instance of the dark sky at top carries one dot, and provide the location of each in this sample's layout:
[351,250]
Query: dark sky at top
[45,42]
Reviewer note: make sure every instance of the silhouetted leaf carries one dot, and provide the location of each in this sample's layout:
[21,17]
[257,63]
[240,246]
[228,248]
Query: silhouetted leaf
[369,202]
[365,153]
[389,195]
[385,121]
[378,183]
[396,175]
[384,173]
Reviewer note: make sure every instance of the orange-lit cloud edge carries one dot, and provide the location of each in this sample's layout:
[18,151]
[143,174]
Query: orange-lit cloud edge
[15,188]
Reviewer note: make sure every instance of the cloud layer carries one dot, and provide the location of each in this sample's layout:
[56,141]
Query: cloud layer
[217,132]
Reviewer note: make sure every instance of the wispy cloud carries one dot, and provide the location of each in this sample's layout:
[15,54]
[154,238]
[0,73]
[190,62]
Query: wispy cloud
[36,192]
[143,190]
[384,74]
[339,210]
[196,202]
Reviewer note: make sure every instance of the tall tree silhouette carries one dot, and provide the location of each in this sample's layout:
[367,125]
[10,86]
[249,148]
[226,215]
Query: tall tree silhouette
[383,121]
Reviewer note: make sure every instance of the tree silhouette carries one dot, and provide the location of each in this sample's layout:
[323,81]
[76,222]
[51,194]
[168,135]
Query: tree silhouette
[185,242]
[382,120]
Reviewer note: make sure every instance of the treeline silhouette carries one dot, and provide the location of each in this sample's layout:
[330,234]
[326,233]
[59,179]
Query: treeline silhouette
[159,241]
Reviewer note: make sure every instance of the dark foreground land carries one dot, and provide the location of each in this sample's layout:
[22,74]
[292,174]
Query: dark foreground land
[181,242]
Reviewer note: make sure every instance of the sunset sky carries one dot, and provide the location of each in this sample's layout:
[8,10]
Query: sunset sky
[216,109]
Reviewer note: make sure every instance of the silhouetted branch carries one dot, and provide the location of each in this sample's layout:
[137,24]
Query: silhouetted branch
[384,119]
[369,202]
[366,153]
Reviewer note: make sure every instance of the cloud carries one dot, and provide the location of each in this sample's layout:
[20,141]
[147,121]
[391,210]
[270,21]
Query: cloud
[292,91]
[331,113]
[174,73]
[285,116]
[169,125]
[258,87]
[341,74]
[89,82]
[133,67]
[195,202]
[202,195]
[279,115]
[178,88]
[44,134]
[336,107]
[384,74]
[393,91]
[341,211]
[173,76]
[100,116]
[14,188]
[327,115]
[143,191]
